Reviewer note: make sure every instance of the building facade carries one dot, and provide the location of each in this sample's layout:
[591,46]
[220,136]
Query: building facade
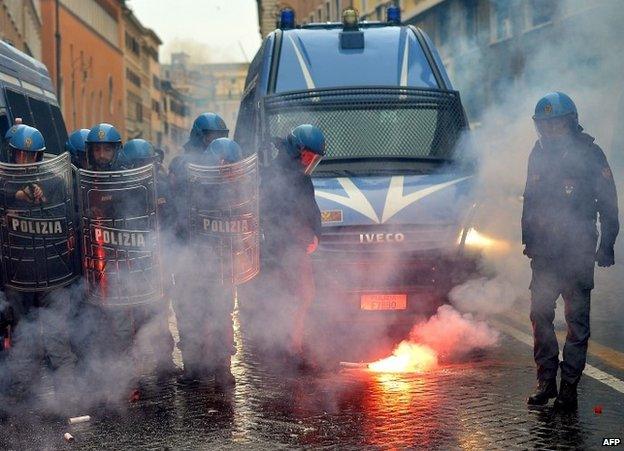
[20,25]
[176,120]
[494,48]
[208,87]
[91,57]
[142,69]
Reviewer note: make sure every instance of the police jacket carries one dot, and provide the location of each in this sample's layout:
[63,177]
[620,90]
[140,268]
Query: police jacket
[567,187]
[178,192]
[289,215]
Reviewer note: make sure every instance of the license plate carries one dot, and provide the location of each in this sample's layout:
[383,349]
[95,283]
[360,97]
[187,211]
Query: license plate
[383,302]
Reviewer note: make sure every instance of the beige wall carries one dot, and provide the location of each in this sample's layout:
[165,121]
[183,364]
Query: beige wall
[20,25]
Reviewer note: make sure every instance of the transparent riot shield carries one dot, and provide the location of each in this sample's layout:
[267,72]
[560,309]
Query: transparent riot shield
[223,213]
[38,225]
[120,243]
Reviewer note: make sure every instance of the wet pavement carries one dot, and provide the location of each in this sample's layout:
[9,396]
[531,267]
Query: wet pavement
[476,404]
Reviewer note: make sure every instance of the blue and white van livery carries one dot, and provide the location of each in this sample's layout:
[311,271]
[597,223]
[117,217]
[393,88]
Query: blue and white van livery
[26,91]
[395,193]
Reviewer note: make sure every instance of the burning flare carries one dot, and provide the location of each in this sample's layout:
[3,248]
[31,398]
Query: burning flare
[407,358]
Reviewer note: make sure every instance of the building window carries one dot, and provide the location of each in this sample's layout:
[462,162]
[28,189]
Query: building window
[501,20]
[101,107]
[540,12]
[156,82]
[139,111]
[327,11]
[471,21]
[133,78]
[110,95]
[337,8]
[155,106]
[132,44]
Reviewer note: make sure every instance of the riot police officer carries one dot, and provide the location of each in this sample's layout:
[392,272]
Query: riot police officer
[219,340]
[291,224]
[103,147]
[75,145]
[138,153]
[190,297]
[113,340]
[569,183]
[40,315]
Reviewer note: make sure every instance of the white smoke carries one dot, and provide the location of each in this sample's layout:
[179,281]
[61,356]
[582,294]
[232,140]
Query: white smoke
[585,62]
[454,335]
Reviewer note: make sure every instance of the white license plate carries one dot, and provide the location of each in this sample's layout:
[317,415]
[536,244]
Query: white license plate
[383,302]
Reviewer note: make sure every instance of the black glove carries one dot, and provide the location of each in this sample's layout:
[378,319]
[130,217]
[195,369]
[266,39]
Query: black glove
[527,252]
[605,256]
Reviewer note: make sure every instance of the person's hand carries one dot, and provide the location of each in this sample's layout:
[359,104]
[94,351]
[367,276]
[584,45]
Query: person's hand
[605,256]
[312,246]
[527,252]
[38,194]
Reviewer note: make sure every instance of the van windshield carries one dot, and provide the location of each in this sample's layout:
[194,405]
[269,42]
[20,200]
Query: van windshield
[391,56]
[377,127]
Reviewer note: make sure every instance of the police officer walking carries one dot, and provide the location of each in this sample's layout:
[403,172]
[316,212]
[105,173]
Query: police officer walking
[291,223]
[569,183]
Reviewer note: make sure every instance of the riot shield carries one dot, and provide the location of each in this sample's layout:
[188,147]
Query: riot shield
[38,231]
[224,228]
[120,243]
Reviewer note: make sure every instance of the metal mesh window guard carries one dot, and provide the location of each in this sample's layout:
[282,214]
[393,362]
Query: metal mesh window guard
[373,122]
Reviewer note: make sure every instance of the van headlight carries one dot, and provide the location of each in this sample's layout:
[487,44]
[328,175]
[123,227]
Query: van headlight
[478,241]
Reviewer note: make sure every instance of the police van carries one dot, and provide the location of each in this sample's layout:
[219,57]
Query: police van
[395,190]
[27,92]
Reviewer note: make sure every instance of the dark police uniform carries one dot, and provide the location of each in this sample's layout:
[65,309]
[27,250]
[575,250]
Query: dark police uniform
[290,220]
[567,186]
[203,309]
[39,319]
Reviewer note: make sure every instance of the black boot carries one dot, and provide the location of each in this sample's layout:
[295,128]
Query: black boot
[567,399]
[546,389]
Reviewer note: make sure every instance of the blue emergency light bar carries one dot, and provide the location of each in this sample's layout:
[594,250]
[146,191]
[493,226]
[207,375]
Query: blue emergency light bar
[393,14]
[287,19]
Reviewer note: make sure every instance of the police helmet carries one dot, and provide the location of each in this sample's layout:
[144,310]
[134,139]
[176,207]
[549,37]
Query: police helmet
[224,151]
[106,136]
[207,124]
[26,145]
[137,153]
[307,143]
[554,104]
[555,116]
[75,145]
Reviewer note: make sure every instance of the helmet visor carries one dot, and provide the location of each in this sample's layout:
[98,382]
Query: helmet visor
[140,162]
[19,156]
[309,160]
[101,155]
[209,136]
[553,129]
